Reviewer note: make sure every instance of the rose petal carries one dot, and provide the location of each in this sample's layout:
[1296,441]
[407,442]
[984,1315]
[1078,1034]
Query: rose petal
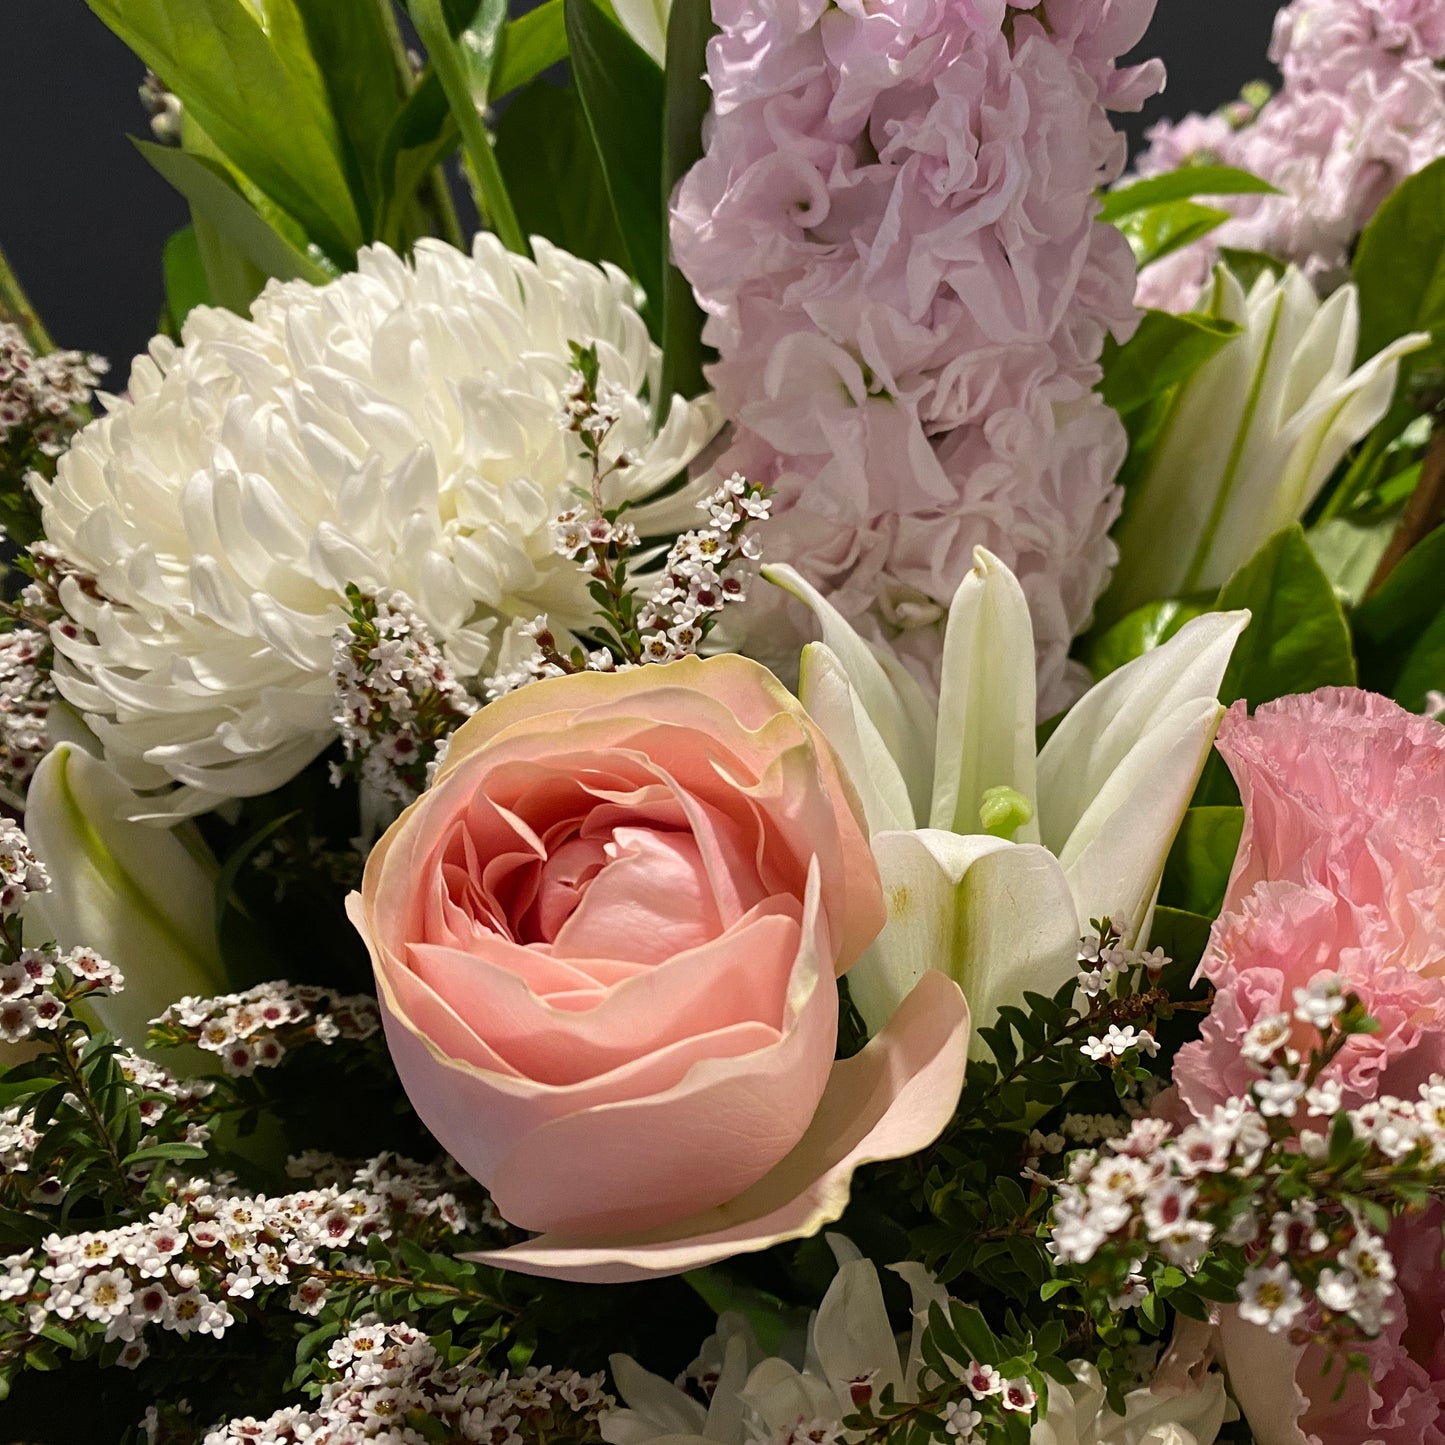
[889,1101]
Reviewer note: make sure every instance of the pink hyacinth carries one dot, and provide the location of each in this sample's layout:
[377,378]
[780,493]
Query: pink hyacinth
[892,234]
[1361,107]
[1339,872]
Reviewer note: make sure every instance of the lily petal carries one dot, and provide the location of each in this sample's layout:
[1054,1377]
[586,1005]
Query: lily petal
[1138,738]
[131,891]
[888,1101]
[832,703]
[889,694]
[987,700]
[998,916]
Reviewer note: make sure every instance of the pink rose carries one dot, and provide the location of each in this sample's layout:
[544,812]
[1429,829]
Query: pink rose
[605,944]
[1338,872]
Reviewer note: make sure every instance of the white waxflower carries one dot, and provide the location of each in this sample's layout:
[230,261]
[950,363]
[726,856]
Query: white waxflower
[1250,438]
[396,429]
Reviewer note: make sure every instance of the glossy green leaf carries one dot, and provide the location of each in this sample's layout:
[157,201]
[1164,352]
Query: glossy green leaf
[1399,269]
[552,172]
[184,271]
[1400,628]
[1138,632]
[1197,870]
[1155,232]
[1181,185]
[1182,934]
[253,86]
[215,195]
[360,56]
[1164,351]
[622,94]
[1348,552]
[531,43]
[1297,638]
[689,28]
[1249,266]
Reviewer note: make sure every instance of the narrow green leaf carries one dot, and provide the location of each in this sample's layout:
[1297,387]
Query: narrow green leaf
[253,86]
[1181,185]
[1164,351]
[531,43]
[555,179]
[208,187]
[361,58]
[184,271]
[156,1152]
[623,96]
[1297,638]
[689,28]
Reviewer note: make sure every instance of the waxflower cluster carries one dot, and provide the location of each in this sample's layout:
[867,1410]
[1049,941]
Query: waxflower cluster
[891,232]
[41,395]
[258,1028]
[390,1382]
[704,570]
[1297,1189]
[1361,107]
[397,697]
[209,1255]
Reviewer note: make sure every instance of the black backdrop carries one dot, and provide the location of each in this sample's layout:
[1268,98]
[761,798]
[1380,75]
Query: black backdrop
[83,217]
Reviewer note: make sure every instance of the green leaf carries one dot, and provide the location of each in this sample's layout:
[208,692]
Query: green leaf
[252,85]
[156,1152]
[1198,867]
[185,276]
[545,152]
[361,58]
[1181,185]
[1138,632]
[623,96]
[1153,233]
[689,27]
[214,195]
[476,26]
[1349,551]
[1164,351]
[1182,935]
[1249,266]
[1400,628]
[772,1320]
[531,43]
[1399,269]
[1297,638]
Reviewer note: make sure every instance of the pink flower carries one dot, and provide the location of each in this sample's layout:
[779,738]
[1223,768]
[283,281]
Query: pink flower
[605,943]
[892,233]
[1399,1399]
[1339,871]
[1362,107]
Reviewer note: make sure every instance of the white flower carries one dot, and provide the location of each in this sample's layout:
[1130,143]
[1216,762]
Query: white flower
[1250,437]
[995,855]
[395,429]
[1270,1297]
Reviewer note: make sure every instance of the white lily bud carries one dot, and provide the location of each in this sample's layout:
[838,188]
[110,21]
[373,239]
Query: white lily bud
[1249,438]
[133,892]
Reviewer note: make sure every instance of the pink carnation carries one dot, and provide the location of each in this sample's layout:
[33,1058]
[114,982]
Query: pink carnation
[1398,1399]
[1362,106]
[892,233]
[1338,872]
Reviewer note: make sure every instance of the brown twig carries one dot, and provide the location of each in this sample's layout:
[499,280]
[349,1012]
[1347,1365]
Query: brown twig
[1422,513]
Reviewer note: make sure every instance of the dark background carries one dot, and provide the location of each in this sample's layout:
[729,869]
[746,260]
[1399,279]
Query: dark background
[83,217]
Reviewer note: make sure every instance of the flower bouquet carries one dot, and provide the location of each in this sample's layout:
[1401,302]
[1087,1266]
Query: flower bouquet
[732,742]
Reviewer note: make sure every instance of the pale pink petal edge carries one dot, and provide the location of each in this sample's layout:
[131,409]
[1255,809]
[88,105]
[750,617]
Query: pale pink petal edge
[1261,1368]
[891,1100]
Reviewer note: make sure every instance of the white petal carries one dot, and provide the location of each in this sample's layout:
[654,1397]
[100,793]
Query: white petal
[889,694]
[134,893]
[830,699]
[987,700]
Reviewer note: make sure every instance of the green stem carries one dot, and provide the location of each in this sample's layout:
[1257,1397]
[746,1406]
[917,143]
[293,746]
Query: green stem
[15,306]
[492,198]
[445,208]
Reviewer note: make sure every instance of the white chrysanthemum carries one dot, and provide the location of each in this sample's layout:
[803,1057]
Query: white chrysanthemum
[396,429]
